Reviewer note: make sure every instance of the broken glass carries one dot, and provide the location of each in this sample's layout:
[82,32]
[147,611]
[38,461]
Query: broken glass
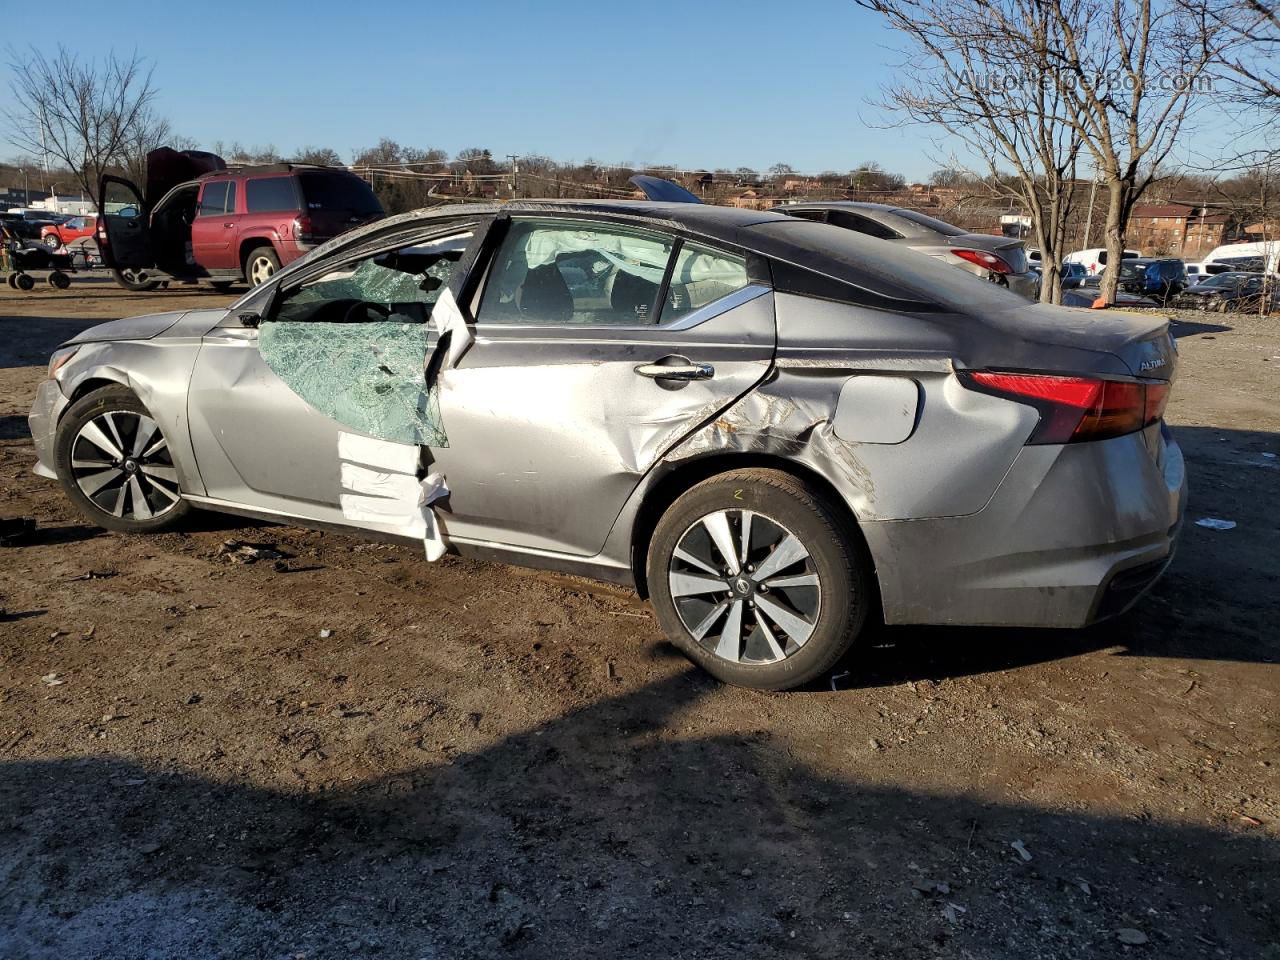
[367,376]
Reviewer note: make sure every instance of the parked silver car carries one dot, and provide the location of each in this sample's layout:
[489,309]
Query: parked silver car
[777,430]
[1000,259]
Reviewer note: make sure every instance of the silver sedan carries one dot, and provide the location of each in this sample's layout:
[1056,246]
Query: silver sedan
[777,430]
[999,259]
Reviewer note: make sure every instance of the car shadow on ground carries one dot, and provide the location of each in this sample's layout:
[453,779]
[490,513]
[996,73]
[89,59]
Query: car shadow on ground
[600,833]
[1191,328]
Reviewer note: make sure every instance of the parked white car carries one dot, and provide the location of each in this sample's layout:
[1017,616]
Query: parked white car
[1095,258]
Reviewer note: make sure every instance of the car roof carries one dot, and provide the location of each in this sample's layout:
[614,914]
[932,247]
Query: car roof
[878,268]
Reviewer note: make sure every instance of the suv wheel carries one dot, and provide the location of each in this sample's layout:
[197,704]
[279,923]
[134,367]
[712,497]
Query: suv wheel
[759,579]
[115,465]
[260,265]
[52,241]
[135,279]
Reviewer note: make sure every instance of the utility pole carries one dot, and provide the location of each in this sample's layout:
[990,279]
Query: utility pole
[1088,222]
[515,172]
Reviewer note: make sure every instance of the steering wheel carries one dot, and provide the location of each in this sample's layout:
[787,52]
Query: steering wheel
[359,312]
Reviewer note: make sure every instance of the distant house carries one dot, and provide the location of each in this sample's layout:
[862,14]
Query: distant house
[1176,229]
[754,199]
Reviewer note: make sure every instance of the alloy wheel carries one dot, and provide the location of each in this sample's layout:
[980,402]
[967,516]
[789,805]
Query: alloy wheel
[136,276]
[121,462]
[260,270]
[745,587]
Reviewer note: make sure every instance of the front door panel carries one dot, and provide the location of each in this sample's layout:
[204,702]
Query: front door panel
[122,226]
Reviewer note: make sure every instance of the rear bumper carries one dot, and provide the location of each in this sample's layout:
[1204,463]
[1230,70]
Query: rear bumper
[43,422]
[1074,534]
[1027,284]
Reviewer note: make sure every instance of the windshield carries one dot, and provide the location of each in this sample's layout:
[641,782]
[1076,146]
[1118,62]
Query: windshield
[339,191]
[1221,280]
[946,229]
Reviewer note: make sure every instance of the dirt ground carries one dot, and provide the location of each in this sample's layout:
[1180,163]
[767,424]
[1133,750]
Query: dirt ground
[355,753]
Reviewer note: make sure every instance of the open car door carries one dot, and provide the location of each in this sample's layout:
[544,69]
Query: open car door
[123,231]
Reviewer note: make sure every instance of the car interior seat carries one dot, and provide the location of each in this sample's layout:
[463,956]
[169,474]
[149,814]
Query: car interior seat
[544,296]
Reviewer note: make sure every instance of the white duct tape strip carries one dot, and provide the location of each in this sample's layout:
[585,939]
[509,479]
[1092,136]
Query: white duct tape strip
[380,488]
[448,318]
[378,454]
[430,490]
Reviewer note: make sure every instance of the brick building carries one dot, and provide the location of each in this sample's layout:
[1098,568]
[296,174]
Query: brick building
[1176,229]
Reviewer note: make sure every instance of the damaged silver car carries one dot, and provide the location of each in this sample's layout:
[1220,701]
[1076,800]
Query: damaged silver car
[777,430]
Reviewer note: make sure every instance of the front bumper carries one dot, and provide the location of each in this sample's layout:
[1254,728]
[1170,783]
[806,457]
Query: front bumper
[43,421]
[1074,534]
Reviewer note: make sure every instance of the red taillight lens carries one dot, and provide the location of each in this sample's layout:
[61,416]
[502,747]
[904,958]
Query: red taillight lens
[983,259]
[1075,409]
[302,227]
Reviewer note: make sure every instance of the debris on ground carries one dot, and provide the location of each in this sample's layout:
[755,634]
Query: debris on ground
[1213,523]
[52,680]
[237,551]
[1129,935]
[1021,849]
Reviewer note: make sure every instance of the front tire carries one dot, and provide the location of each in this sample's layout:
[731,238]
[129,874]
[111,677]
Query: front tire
[760,579]
[114,463]
[139,280]
[260,265]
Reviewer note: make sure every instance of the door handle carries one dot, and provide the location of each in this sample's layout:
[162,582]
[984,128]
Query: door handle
[228,225]
[677,371]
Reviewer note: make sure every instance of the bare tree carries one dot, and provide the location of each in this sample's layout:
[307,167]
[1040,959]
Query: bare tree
[83,113]
[324,156]
[976,69]
[1130,71]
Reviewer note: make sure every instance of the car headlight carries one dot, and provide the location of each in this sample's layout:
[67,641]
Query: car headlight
[60,358]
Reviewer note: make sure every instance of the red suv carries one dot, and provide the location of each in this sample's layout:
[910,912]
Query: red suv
[200,220]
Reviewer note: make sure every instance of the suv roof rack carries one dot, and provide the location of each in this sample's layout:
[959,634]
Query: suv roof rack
[273,168]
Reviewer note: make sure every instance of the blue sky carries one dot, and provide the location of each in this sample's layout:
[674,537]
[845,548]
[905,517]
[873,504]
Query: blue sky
[694,84]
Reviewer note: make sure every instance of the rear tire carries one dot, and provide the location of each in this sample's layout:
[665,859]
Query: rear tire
[113,461]
[803,595]
[59,280]
[139,280]
[52,241]
[260,265]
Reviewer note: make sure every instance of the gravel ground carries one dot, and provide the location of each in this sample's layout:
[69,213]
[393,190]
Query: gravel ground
[477,760]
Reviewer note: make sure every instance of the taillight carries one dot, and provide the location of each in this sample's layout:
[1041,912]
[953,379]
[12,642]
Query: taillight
[1075,409]
[302,227]
[983,259]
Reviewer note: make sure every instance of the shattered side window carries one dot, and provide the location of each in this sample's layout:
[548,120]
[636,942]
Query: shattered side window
[367,376]
[353,343]
[399,285]
[701,276]
[550,272]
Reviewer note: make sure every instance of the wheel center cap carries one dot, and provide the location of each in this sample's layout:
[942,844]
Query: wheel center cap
[742,586]
[130,466]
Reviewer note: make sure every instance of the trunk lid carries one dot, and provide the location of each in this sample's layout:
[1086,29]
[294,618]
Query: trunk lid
[1141,341]
[1013,252]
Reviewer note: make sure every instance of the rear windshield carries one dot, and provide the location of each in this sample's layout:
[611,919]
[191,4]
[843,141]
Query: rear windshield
[329,191]
[946,229]
[881,268]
